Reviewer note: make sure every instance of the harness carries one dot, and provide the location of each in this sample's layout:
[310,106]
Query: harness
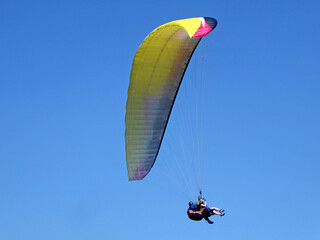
[195,214]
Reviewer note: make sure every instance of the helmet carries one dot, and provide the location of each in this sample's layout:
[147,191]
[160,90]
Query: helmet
[190,203]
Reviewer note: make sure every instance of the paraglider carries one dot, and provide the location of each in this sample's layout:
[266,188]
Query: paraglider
[198,211]
[157,71]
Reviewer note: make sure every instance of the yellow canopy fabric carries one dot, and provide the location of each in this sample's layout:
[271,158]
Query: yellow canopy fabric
[157,71]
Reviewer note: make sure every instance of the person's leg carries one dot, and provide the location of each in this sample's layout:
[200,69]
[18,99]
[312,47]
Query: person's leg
[217,213]
[217,209]
[208,220]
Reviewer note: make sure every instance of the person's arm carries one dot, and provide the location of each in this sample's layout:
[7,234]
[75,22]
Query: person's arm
[203,204]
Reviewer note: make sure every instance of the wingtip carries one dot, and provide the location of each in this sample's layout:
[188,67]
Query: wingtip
[211,22]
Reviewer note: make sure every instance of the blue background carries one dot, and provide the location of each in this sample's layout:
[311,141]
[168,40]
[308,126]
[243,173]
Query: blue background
[64,73]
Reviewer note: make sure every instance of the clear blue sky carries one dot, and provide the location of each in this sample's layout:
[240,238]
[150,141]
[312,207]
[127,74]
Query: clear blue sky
[64,73]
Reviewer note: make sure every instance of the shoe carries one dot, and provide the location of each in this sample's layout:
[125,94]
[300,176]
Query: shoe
[221,210]
[222,214]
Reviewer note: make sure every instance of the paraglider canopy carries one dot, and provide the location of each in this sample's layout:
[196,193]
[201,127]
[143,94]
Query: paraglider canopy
[157,71]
